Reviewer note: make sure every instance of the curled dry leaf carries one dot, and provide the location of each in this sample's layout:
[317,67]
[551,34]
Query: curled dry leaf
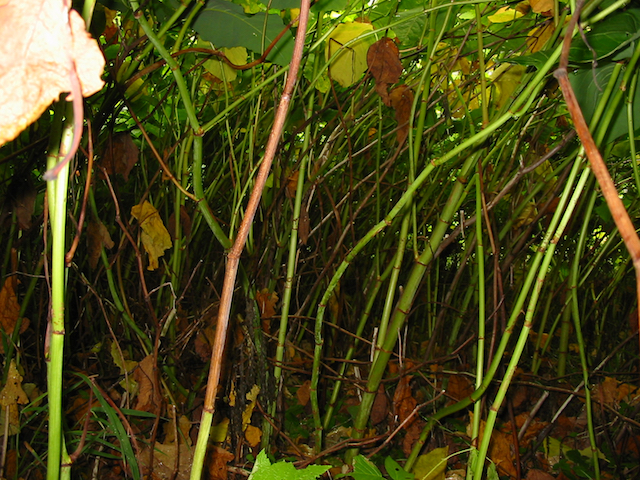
[36,55]
[155,237]
[401,99]
[97,237]
[120,155]
[10,308]
[11,395]
[383,60]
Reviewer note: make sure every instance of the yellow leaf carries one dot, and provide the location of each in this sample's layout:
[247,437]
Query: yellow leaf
[351,60]
[11,395]
[506,79]
[537,38]
[252,396]
[219,431]
[125,366]
[432,465]
[504,15]
[155,236]
[539,6]
[253,435]
[219,69]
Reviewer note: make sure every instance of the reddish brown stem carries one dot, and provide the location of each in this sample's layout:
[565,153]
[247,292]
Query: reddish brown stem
[243,232]
[599,168]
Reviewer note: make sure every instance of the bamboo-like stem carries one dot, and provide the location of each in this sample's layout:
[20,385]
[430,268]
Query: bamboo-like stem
[236,250]
[599,168]
[547,248]
[57,200]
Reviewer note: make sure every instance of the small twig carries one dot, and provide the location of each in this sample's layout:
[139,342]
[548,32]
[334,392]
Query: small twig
[76,240]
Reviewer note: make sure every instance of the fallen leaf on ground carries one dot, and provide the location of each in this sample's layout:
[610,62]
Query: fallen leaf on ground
[11,395]
[148,392]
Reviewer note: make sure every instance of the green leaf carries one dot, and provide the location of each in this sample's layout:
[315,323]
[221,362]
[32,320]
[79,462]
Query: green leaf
[364,469]
[329,5]
[226,25]
[615,34]
[263,469]
[589,84]
[395,471]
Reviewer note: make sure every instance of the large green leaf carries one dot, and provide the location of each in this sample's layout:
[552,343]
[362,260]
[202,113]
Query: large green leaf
[226,25]
[263,469]
[614,35]
[589,84]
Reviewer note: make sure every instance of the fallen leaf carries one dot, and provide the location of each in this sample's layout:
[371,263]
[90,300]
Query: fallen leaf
[97,237]
[120,155]
[431,466]
[148,392]
[165,458]
[126,366]
[217,463]
[304,393]
[11,395]
[403,401]
[10,308]
[266,303]
[155,237]
[40,39]
[252,396]
[458,388]
[253,435]
[535,474]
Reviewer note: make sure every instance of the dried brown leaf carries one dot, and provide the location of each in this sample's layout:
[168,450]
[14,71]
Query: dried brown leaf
[267,303]
[36,53]
[401,99]
[380,408]
[217,463]
[148,392]
[383,60]
[9,307]
[97,237]
[11,395]
[120,155]
[304,393]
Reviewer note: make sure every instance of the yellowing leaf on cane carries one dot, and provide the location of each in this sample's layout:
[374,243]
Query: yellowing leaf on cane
[155,237]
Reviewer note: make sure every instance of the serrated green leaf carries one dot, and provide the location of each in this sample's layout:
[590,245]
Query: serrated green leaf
[395,471]
[226,25]
[263,469]
[364,469]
